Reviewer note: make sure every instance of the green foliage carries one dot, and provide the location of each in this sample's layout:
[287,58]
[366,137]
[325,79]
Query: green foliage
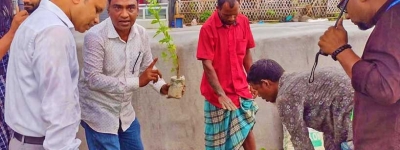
[170,52]
[205,15]
[271,12]
[336,15]
[192,7]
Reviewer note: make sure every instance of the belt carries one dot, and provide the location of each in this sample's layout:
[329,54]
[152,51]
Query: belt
[29,139]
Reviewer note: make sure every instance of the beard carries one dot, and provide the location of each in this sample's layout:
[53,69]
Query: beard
[31,9]
[364,26]
[229,23]
[225,22]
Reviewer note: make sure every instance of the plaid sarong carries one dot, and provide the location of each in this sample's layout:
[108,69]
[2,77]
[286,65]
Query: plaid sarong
[227,130]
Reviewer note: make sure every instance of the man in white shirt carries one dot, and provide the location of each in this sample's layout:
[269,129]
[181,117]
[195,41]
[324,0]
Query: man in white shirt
[42,105]
[9,24]
[117,60]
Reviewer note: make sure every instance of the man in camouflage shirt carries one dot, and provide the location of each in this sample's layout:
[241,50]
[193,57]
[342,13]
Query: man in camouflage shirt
[324,105]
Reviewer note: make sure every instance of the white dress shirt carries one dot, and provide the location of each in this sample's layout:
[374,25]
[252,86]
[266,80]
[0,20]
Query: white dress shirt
[42,78]
[110,75]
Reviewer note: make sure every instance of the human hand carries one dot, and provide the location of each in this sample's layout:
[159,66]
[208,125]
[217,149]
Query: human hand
[18,19]
[226,102]
[253,92]
[165,89]
[149,74]
[333,38]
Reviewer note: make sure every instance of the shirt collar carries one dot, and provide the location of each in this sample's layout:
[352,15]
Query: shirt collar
[112,33]
[217,20]
[381,11]
[282,79]
[57,11]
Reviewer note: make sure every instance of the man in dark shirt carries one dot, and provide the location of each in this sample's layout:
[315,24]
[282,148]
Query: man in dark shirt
[376,75]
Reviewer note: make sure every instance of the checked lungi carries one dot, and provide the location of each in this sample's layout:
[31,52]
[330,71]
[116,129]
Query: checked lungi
[227,130]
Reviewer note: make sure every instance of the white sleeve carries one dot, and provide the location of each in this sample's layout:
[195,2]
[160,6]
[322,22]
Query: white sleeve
[93,60]
[60,107]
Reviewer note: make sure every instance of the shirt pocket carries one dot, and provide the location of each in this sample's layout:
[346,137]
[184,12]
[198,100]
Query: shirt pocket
[135,62]
[241,46]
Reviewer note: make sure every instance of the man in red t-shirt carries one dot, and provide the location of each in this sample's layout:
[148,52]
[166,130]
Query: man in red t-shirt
[229,109]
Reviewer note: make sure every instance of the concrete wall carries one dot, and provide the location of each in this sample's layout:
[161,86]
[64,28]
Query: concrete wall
[171,124]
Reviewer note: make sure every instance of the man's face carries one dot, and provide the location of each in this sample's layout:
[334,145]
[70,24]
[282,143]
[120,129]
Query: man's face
[123,14]
[267,90]
[85,13]
[31,5]
[359,12]
[227,14]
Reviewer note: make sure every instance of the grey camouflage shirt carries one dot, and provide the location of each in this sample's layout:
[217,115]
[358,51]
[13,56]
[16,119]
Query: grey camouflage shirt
[323,105]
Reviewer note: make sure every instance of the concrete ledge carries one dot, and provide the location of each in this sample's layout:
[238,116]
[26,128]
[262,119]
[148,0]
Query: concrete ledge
[147,23]
[169,124]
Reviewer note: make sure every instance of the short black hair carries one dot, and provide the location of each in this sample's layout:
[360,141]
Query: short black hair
[266,69]
[220,3]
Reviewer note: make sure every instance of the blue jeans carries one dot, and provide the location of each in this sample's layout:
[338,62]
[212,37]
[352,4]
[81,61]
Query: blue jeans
[128,140]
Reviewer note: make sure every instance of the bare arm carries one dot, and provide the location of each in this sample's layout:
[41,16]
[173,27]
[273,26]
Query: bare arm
[347,59]
[205,53]
[248,61]
[377,74]
[5,41]
[212,77]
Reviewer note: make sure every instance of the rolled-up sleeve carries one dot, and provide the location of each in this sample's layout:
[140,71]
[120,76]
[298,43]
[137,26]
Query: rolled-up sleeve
[93,57]
[377,75]
[60,106]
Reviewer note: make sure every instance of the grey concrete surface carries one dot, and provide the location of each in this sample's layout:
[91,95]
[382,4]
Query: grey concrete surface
[171,124]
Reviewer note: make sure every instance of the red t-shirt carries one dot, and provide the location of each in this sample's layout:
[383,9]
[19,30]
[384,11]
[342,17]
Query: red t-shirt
[226,47]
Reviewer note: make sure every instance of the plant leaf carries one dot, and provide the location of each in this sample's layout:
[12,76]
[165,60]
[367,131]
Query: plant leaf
[154,21]
[157,33]
[164,40]
[170,52]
